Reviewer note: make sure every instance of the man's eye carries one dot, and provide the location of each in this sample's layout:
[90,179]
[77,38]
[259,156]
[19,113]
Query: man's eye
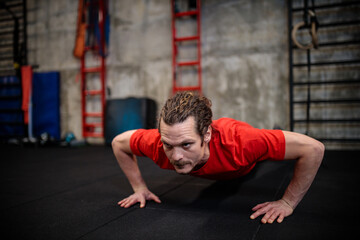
[186,145]
[167,145]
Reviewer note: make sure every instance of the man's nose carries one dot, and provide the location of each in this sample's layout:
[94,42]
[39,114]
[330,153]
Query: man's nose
[177,154]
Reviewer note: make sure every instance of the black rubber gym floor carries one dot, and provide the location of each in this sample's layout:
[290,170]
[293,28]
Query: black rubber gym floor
[72,193]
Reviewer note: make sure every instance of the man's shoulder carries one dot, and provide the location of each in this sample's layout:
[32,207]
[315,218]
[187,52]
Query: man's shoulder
[228,123]
[227,129]
[148,131]
[145,142]
[149,135]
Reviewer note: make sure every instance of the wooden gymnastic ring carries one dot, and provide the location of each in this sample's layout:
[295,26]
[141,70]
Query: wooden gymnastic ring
[313,33]
[293,36]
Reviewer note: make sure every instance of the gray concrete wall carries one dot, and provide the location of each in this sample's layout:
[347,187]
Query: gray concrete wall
[244,60]
[244,55]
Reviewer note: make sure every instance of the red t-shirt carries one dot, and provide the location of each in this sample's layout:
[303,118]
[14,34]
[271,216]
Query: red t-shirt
[235,147]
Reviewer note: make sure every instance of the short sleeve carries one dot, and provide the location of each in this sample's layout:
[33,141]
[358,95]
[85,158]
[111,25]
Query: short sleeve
[145,142]
[262,144]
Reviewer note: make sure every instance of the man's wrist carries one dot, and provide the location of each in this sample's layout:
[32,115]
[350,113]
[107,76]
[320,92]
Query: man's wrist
[140,187]
[288,203]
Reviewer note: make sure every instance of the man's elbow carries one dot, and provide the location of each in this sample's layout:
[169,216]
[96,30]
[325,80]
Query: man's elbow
[318,149]
[118,142]
[122,142]
[115,142]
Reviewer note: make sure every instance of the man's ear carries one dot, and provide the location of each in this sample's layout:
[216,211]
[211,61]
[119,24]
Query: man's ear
[207,136]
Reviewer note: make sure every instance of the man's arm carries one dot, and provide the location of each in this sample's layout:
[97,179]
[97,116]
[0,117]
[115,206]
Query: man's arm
[308,153]
[128,163]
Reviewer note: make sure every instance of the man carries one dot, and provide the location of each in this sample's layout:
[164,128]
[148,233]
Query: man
[189,142]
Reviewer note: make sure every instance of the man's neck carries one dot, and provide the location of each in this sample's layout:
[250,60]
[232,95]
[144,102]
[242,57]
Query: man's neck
[204,159]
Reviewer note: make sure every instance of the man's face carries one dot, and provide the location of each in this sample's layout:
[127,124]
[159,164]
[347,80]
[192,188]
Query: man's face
[182,145]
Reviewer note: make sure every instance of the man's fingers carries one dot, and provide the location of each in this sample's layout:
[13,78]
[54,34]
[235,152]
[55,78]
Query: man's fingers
[280,218]
[127,202]
[260,206]
[259,209]
[257,213]
[142,202]
[156,198]
[267,216]
[273,217]
[123,202]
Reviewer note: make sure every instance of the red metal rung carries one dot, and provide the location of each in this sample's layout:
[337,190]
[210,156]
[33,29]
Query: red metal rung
[179,39]
[92,70]
[93,92]
[93,134]
[188,63]
[188,88]
[92,125]
[188,13]
[94,114]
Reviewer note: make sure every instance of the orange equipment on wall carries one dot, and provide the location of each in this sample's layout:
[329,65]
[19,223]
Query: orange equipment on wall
[92,37]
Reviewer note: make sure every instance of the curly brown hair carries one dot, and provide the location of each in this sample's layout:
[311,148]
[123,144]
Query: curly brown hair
[185,104]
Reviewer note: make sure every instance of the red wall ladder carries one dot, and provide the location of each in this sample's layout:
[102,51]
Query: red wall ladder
[176,64]
[93,122]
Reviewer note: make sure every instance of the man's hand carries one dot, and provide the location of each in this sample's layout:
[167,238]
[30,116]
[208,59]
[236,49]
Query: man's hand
[272,210]
[139,196]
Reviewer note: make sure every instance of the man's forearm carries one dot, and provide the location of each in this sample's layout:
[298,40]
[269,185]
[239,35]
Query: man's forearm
[305,170]
[129,166]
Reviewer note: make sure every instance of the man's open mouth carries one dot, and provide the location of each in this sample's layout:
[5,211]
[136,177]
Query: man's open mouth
[181,165]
